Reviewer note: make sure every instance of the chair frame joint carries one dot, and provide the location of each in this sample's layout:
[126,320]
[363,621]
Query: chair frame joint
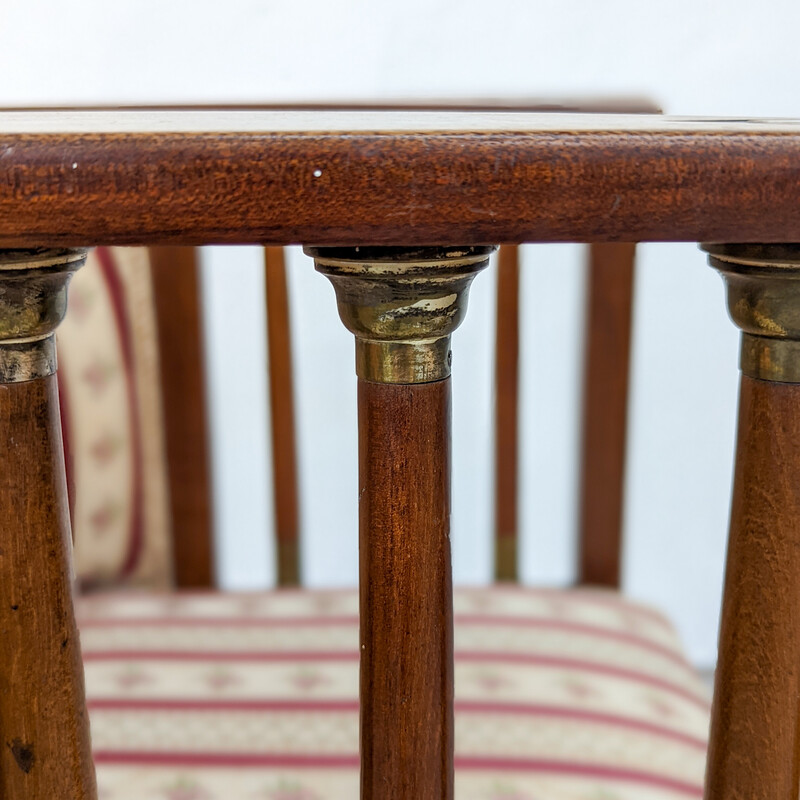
[763,293]
[33,301]
[402,304]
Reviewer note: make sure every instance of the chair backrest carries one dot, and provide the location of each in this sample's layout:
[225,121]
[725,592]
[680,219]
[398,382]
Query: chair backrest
[609,300]
[135,534]
[112,423]
[153,535]
[135,420]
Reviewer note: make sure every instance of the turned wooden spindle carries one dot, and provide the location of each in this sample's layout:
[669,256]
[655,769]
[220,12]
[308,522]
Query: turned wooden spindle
[754,752]
[44,749]
[402,305]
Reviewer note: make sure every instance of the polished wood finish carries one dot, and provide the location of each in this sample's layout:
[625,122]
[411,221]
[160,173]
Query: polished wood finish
[506,415]
[176,293]
[406,591]
[44,751]
[755,729]
[605,411]
[281,395]
[405,178]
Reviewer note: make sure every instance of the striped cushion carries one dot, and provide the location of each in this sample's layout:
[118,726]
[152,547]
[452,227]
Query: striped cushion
[111,417]
[560,695]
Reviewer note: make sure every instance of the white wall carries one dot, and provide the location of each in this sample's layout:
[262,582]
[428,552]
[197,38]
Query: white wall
[693,56]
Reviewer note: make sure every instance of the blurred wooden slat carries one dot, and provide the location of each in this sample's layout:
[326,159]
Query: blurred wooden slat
[406,599]
[506,415]
[284,456]
[605,403]
[177,300]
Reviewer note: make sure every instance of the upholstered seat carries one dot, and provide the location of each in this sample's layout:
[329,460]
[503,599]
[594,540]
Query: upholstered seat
[560,695]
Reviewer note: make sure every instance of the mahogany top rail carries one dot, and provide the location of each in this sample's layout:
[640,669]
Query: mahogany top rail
[392,177]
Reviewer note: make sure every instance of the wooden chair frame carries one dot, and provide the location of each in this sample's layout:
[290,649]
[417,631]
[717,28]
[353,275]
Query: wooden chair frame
[175,274]
[397,207]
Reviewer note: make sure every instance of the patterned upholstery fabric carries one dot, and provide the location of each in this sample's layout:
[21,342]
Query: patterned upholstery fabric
[573,695]
[111,417]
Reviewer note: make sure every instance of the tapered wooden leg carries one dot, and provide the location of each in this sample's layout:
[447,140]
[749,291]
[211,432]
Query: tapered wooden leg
[44,749]
[755,745]
[402,306]
[755,732]
[406,592]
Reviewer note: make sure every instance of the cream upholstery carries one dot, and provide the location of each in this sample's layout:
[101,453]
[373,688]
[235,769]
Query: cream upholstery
[573,695]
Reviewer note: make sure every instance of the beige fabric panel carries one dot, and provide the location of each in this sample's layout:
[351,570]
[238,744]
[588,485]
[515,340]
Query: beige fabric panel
[109,378]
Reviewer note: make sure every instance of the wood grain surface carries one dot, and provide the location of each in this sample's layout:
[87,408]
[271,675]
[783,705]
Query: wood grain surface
[506,415]
[755,731]
[176,291]
[392,178]
[406,591]
[605,411]
[281,396]
[44,749]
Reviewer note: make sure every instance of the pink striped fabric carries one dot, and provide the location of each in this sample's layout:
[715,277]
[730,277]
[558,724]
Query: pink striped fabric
[559,695]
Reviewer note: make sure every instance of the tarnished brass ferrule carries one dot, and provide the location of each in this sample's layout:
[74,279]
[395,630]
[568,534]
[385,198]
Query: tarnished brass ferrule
[33,300]
[402,304]
[763,285]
